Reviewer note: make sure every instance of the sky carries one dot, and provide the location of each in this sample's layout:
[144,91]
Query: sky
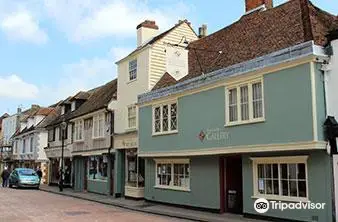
[51,49]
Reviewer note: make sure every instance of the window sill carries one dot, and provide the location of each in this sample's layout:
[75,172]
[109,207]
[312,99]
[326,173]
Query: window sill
[99,138]
[281,198]
[78,141]
[261,120]
[98,180]
[172,188]
[131,81]
[134,129]
[165,133]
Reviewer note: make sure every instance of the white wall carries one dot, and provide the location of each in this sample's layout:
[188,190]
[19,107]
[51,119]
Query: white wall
[332,83]
[9,127]
[128,90]
[42,140]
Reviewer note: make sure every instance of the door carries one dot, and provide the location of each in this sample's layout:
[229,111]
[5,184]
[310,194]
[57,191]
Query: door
[234,185]
[112,164]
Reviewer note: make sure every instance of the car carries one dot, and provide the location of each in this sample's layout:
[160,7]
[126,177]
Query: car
[24,177]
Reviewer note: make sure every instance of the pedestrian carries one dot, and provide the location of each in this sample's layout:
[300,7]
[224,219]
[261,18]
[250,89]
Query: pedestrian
[5,176]
[39,173]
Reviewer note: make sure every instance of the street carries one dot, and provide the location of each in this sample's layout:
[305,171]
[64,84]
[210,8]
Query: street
[21,205]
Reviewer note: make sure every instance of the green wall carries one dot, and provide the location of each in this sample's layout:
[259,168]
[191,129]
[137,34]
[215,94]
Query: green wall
[320,100]
[98,186]
[79,168]
[288,116]
[204,185]
[119,177]
[319,187]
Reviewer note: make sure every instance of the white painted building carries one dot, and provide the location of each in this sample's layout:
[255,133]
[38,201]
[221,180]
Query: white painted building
[9,126]
[30,141]
[138,73]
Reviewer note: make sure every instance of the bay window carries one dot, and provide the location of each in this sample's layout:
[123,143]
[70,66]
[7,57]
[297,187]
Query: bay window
[78,130]
[165,118]
[281,177]
[245,103]
[173,174]
[98,126]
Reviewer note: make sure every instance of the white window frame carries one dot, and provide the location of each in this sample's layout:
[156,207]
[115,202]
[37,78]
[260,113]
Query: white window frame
[169,131]
[172,162]
[279,160]
[78,127]
[97,119]
[238,86]
[133,70]
[131,117]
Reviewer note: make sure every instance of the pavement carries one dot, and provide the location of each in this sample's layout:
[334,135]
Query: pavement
[149,207]
[25,205]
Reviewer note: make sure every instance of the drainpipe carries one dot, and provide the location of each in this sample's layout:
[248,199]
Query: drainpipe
[111,147]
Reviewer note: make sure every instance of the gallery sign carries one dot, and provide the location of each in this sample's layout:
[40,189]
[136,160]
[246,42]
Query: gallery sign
[215,134]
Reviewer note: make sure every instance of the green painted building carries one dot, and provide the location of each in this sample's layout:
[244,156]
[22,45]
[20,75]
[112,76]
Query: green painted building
[247,129]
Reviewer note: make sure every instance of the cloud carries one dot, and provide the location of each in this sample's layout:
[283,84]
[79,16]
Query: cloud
[93,19]
[22,26]
[14,87]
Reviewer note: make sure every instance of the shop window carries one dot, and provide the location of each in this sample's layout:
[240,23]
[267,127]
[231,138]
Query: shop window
[280,177]
[98,168]
[134,169]
[173,174]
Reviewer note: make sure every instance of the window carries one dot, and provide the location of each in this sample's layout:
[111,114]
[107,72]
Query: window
[132,117]
[165,118]
[173,174]
[132,69]
[31,144]
[134,169]
[16,146]
[245,103]
[283,177]
[51,135]
[24,146]
[97,168]
[98,126]
[78,130]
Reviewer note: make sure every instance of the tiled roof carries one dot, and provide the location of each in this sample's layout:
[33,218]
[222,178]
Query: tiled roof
[81,95]
[258,34]
[99,98]
[166,80]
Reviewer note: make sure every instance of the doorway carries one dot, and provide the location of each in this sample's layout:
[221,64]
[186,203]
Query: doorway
[233,185]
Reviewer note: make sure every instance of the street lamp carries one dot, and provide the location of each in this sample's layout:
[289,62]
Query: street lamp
[63,130]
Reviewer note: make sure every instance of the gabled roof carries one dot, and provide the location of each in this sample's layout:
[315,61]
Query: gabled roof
[157,38]
[166,80]
[99,98]
[258,34]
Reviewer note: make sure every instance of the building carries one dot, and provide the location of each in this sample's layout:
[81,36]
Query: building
[92,153]
[138,72]
[2,150]
[29,142]
[247,122]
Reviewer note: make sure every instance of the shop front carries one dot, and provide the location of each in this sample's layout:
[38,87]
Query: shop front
[94,172]
[130,168]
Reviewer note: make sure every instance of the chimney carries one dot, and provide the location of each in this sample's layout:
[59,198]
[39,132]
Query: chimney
[146,31]
[19,110]
[251,5]
[34,106]
[203,31]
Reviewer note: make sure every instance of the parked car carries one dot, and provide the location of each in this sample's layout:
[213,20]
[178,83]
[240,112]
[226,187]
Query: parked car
[24,177]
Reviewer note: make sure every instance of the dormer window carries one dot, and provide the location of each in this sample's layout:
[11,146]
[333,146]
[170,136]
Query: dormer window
[132,69]
[73,106]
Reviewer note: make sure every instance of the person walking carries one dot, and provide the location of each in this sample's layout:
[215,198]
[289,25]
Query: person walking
[5,176]
[39,173]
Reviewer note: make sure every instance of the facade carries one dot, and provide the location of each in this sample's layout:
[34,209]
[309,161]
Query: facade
[3,151]
[30,140]
[92,153]
[138,73]
[243,126]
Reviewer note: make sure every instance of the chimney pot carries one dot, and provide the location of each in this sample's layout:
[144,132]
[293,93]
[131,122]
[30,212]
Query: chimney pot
[148,24]
[203,31]
[253,4]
